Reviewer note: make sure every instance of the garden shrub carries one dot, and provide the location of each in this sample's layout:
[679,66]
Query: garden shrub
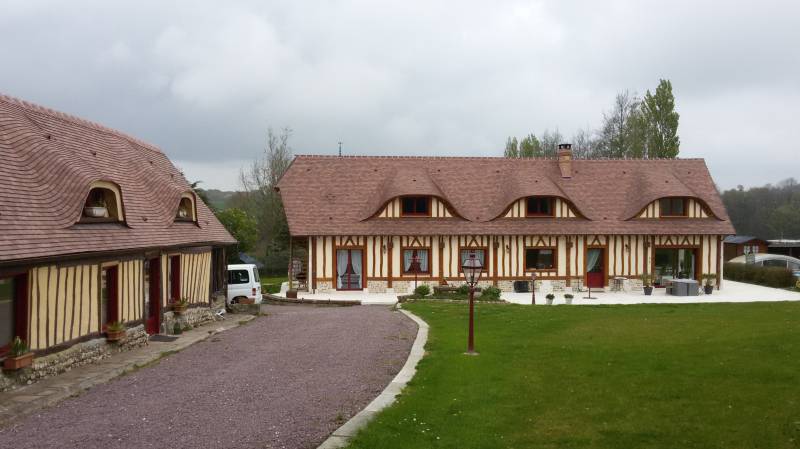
[422,290]
[776,277]
[490,294]
[463,289]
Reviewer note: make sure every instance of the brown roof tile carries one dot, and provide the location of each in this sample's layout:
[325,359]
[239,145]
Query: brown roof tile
[330,195]
[49,160]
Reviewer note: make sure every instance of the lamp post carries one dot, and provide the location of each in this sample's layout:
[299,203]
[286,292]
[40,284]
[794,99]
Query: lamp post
[533,288]
[472,268]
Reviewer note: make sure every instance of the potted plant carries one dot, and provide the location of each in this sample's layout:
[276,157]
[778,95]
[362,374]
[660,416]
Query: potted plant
[647,284]
[568,298]
[708,288]
[177,329]
[18,355]
[96,207]
[180,307]
[550,297]
[115,331]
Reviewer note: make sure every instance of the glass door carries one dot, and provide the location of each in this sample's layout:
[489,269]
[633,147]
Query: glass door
[349,269]
[674,263]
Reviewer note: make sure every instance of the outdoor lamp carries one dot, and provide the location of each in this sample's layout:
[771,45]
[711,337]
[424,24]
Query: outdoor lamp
[472,268]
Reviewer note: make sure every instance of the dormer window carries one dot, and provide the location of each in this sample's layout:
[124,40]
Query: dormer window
[539,206]
[103,204]
[186,209]
[415,206]
[673,207]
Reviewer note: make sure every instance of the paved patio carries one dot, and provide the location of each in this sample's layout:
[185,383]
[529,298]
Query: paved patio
[731,292]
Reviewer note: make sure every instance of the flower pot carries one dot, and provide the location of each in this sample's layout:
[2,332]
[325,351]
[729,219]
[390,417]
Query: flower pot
[708,289]
[18,362]
[179,308]
[292,294]
[568,300]
[114,336]
[549,302]
[648,290]
[95,211]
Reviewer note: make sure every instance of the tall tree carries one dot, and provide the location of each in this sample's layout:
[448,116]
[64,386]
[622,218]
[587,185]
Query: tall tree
[550,141]
[530,146]
[621,131]
[262,202]
[511,147]
[661,121]
[582,144]
[242,227]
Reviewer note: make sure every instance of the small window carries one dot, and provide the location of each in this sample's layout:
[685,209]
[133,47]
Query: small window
[238,277]
[416,206]
[540,207]
[6,312]
[416,261]
[673,207]
[480,254]
[540,259]
[101,205]
[256,277]
[186,209]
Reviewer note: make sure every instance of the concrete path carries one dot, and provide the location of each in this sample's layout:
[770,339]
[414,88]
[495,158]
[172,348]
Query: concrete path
[731,292]
[286,380]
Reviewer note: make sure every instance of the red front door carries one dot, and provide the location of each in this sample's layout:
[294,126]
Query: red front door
[595,268]
[154,296]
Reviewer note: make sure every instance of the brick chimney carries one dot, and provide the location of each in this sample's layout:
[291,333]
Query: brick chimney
[565,159]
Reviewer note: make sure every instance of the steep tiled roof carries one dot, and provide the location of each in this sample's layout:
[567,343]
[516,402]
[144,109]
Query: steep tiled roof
[329,195]
[49,159]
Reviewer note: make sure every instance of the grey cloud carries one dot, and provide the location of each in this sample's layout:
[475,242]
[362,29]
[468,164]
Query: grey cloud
[204,80]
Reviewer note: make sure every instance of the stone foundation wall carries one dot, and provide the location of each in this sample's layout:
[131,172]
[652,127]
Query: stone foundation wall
[72,357]
[324,286]
[377,286]
[193,317]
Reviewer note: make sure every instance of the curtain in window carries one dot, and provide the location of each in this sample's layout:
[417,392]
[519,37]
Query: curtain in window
[341,266]
[423,260]
[592,259]
[407,255]
[355,258]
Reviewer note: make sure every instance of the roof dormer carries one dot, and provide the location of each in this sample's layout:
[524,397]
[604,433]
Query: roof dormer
[420,206]
[103,204]
[675,207]
[187,208]
[541,207]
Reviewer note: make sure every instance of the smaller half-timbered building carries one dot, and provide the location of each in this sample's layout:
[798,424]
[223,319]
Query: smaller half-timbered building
[95,227]
[570,222]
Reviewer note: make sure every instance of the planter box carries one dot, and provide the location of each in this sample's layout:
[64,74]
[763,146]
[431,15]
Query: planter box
[648,290]
[708,289]
[19,362]
[291,294]
[114,336]
[179,309]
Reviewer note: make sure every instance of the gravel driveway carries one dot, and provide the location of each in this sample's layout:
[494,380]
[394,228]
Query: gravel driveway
[286,380]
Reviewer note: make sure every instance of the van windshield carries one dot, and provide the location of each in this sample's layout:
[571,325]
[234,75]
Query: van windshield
[238,277]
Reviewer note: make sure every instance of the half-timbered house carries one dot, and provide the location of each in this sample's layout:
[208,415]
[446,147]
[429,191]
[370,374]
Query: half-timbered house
[570,222]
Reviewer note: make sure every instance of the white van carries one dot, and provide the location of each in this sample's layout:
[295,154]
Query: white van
[243,283]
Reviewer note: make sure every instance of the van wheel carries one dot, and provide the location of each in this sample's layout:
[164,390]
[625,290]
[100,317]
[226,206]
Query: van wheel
[236,299]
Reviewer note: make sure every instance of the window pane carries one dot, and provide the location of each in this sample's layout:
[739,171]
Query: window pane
[422,205]
[408,205]
[6,311]
[408,260]
[544,206]
[538,259]
[539,206]
[665,206]
[103,298]
[678,206]
[479,254]
[238,277]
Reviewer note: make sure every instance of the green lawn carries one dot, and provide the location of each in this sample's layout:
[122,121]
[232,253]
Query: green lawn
[272,284]
[640,376]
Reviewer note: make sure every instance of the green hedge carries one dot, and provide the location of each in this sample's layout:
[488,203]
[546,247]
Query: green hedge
[769,276]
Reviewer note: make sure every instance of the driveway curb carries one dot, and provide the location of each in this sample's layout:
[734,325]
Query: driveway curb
[342,436]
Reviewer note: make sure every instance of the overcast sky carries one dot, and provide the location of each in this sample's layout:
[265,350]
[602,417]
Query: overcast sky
[204,80]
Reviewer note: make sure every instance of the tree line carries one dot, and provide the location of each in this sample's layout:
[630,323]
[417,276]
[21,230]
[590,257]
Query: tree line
[767,212]
[635,127]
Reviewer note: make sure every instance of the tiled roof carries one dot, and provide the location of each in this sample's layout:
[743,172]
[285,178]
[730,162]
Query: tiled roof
[49,159]
[330,195]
